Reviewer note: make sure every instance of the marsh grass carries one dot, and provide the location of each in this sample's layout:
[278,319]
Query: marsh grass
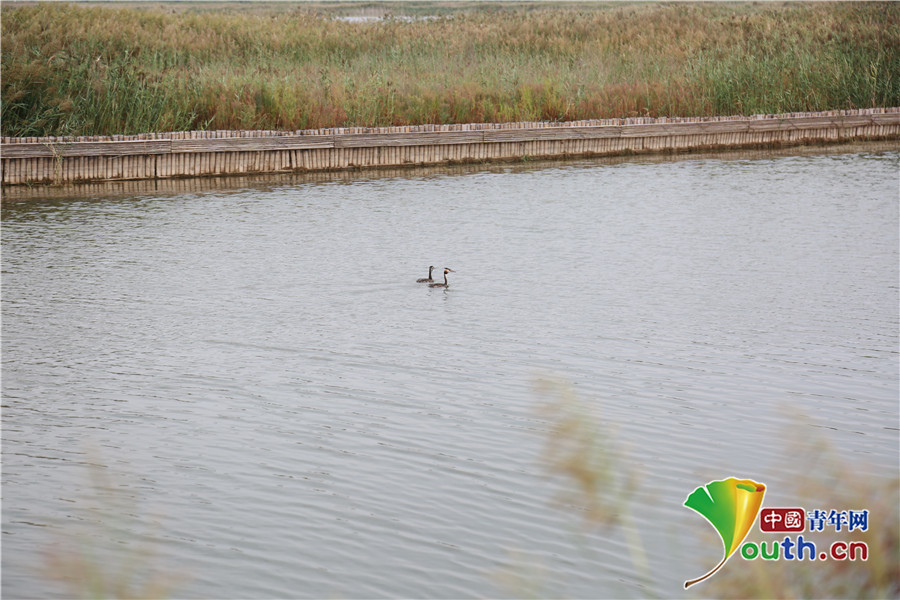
[82,70]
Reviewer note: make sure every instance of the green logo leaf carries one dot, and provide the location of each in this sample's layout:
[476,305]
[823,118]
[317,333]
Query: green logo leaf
[731,506]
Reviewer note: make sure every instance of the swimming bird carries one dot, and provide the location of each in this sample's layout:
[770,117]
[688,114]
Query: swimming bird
[446,283]
[426,279]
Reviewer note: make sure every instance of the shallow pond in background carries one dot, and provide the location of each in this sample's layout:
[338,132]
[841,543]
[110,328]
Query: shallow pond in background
[248,383]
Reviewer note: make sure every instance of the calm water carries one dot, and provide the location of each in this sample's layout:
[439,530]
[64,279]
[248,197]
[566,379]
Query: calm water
[249,385]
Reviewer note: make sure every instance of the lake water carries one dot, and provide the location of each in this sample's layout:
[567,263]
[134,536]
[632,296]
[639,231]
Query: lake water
[243,393]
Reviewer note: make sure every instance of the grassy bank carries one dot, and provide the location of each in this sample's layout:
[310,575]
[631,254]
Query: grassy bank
[85,70]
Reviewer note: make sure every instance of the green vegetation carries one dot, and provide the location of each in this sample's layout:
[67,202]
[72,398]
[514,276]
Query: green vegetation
[132,68]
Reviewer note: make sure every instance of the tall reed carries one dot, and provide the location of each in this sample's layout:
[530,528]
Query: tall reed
[71,70]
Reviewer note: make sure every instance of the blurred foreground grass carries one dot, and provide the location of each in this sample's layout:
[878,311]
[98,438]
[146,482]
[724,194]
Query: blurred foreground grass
[583,451]
[101,556]
[825,480]
[583,454]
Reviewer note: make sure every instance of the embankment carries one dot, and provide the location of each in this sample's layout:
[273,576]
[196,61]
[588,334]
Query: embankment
[211,153]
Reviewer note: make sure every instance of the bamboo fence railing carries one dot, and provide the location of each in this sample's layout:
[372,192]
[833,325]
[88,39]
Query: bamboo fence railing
[206,153]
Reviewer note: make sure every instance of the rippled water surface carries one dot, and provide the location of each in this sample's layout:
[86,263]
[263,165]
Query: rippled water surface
[249,385]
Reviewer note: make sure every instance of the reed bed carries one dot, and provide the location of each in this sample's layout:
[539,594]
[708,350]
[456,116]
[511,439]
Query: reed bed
[125,69]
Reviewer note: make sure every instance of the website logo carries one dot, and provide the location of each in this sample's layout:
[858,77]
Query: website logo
[731,506]
[787,520]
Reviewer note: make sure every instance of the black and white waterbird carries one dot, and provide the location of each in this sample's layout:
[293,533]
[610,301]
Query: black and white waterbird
[426,279]
[446,283]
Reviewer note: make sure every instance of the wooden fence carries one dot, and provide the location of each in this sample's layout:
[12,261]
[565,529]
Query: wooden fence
[207,153]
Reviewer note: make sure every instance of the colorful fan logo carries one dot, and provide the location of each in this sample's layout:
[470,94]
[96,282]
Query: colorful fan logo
[731,506]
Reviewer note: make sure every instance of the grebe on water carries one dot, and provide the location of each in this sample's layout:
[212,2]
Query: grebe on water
[446,283]
[426,279]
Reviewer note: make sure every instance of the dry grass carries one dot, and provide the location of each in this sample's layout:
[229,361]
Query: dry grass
[110,550]
[826,480]
[583,452]
[70,70]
